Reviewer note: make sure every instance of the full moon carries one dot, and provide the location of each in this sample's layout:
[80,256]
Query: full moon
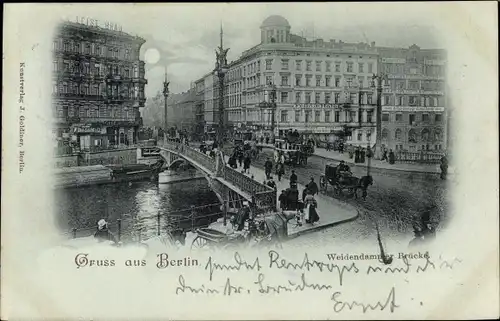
[152,55]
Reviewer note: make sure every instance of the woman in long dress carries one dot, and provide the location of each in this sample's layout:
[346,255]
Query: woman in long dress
[311,205]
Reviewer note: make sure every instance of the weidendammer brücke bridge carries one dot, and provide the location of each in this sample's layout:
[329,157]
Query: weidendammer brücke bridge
[230,185]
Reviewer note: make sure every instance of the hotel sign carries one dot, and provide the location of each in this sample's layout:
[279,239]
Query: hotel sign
[394,60]
[98,23]
[307,106]
[414,109]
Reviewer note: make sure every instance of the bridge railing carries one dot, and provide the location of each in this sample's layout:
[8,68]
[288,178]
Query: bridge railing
[202,159]
[265,197]
[137,230]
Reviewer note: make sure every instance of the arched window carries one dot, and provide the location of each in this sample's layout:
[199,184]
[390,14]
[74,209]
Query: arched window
[385,134]
[412,136]
[398,134]
[438,134]
[425,134]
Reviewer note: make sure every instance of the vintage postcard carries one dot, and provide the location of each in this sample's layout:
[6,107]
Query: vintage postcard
[250,161]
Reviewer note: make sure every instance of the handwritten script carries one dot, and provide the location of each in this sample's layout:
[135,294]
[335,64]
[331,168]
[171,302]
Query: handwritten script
[259,270]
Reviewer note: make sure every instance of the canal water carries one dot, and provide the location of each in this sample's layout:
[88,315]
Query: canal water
[141,207]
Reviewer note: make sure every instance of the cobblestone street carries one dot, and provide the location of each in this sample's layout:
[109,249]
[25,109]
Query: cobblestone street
[393,200]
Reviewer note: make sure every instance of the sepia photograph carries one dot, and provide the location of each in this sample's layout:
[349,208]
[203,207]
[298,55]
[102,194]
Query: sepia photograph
[246,141]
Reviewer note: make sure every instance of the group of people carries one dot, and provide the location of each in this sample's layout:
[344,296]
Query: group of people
[240,157]
[289,199]
[391,158]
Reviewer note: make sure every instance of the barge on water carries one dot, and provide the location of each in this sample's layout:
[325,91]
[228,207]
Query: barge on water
[149,169]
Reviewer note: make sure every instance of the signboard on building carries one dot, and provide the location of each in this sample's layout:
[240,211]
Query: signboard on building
[327,106]
[413,109]
[98,23]
[88,129]
[394,60]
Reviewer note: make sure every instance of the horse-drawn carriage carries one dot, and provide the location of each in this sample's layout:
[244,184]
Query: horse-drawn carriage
[343,180]
[294,153]
[262,229]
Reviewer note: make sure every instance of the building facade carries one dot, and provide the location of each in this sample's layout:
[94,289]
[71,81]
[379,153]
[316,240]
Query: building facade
[181,110]
[98,86]
[414,114]
[326,89]
[322,88]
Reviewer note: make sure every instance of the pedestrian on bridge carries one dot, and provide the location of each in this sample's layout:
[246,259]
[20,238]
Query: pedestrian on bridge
[268,166]
[246,163]
[293,178]
[280,170]
[240,157]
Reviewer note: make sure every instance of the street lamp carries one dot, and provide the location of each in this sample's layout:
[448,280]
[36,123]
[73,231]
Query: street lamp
[220,71]
[166,92]
[378,142]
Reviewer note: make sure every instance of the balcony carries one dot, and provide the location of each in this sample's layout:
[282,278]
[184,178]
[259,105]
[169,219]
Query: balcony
[67,120]
[116,78]
[112,121]
[140,80]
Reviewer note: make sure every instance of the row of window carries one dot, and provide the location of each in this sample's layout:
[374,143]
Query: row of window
[329,66]
[90,48]
[123,91]
[412,118]
[413,136]
[422,101]
[88,68]
[417,85]
[402,69]
[98,112]
[351,117]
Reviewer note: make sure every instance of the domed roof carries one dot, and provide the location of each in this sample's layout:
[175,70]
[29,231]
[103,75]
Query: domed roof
[275,21]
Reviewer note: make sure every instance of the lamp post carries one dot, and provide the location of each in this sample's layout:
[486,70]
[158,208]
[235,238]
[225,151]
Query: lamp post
[220,71]
[378,142]
[166,92]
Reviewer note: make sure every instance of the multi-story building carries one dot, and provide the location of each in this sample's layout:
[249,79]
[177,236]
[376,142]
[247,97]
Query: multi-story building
[182,111]
[98,85]
[322,88]
[413,100]
[199,107]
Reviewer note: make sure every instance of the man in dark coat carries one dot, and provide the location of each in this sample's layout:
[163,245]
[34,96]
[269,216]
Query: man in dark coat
[246,163]
[283,200]
[362,155]
[356,155]
[280,170]
[392,157]
[312,187]
[268,166]
[293,178]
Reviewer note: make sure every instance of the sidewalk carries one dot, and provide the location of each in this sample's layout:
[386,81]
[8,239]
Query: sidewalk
[406,167]
[330,210]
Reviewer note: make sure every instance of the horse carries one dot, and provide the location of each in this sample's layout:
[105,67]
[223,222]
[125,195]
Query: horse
[363,184]
[357,183]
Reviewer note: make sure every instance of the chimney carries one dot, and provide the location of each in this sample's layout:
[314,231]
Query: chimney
[373,44]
